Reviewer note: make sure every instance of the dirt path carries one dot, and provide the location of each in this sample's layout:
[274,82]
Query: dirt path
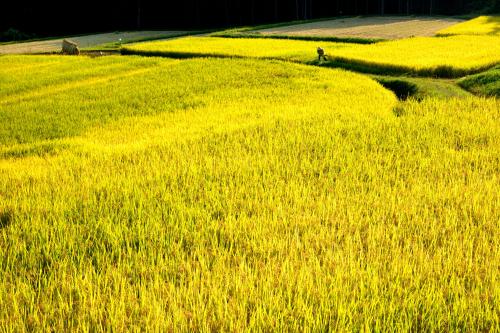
[392,27]
[53,45]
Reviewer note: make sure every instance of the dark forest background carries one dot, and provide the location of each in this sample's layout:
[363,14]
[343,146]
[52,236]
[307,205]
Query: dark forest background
[42,18]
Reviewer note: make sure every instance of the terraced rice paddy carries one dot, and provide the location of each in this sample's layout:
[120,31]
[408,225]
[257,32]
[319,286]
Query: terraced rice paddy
[453,56]
[483,25]
[444,57]
[290,50]
[208,194]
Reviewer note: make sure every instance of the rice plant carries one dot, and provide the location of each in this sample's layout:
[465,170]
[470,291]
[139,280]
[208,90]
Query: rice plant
[241,195]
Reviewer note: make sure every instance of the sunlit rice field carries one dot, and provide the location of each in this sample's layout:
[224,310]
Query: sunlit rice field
[482,25]
[427,56]
[291,50]
[241,195]
[453,56]
[66,96]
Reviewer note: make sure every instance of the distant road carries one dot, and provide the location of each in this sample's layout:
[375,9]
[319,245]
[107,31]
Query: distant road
[54,45]
[383,27]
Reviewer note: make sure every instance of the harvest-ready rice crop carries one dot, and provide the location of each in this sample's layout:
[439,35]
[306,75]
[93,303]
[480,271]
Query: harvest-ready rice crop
[453,56]
[242,195]
[293,50]
[482,25]
[65,97]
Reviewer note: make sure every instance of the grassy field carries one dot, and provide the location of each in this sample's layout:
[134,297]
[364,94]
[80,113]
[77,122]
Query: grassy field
[66,96]
[209,194]
[453,56]
[421,88]
[425,56]
[483,25]
[486,83]
[295,197]
[290,50]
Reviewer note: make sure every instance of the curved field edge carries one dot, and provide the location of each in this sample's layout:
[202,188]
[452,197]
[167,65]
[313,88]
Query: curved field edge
[450,57]
[419,88]
[58,103]
[309,30]
[370,67]
[485,84]
[284,198]
[446,57]
[292,50]
[482,25]
[180,55]
[352,40]
[338,220]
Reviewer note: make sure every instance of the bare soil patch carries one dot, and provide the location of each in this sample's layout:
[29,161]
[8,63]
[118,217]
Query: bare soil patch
[54,45]
[392,27]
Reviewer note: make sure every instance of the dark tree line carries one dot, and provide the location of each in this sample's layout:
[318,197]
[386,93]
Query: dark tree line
[52,17]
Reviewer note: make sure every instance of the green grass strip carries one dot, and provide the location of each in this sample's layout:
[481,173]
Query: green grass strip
[352,40]
[485,84]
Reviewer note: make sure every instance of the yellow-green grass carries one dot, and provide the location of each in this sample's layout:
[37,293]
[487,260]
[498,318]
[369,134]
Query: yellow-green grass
[22,77]
[291,50]
[283,198]
[420,88]
[486,83]
[482,25]
[453,56]
[66,96]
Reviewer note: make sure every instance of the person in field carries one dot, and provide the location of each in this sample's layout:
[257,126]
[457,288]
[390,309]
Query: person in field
[321,54]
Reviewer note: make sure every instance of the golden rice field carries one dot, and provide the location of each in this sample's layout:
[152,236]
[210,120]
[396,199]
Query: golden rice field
[453,56]
[291,50]
[151,194]
[482,25]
